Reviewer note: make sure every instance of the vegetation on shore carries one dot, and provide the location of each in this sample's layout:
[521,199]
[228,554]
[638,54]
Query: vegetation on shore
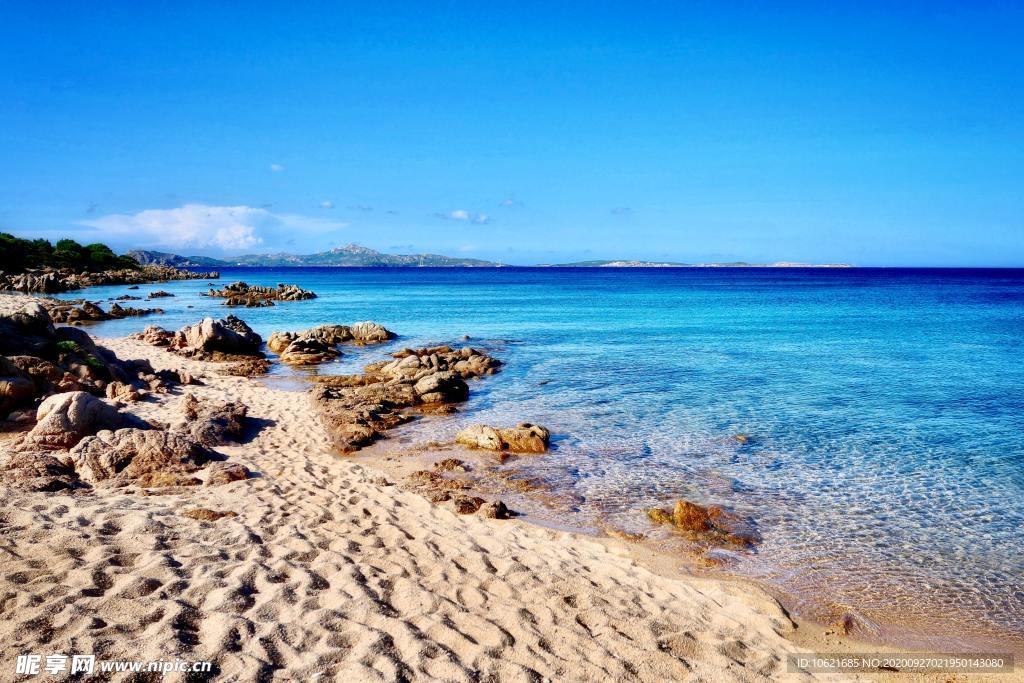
[18,255]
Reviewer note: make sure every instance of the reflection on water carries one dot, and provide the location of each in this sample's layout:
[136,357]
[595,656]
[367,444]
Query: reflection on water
[884,470]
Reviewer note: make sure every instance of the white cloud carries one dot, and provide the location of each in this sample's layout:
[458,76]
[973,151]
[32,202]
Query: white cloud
[327,204]
[199,226]
[509,202]
[276,168]
[463,215]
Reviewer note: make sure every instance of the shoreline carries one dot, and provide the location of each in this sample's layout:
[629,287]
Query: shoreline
[799,632]
[314,534]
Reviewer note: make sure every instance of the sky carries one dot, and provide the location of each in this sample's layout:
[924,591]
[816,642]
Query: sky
[873,134]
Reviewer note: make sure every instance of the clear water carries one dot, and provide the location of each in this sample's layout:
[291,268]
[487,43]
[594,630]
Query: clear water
[886,468]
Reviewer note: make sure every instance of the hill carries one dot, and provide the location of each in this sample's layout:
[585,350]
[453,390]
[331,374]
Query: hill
[349,255]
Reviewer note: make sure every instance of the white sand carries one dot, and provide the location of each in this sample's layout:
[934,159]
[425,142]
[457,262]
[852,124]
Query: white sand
[326,576]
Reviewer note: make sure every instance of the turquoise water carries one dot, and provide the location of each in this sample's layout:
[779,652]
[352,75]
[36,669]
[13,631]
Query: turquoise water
[886,469]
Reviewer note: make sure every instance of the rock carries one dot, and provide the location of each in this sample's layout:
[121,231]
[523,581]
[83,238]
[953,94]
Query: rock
[451,465]
[709,524]
[36,471]
[243,294]
[659,516]
[207,515]
[741,438]
[19,421]
[16,389]
[250,367]
[524,438]
[47,377]
[220,473]
[229,335]
[62,420]
[495,510]
[625,535]
[213,423]
[467,505]
[25,328]
[308,352]
[119,391]
[155,335]
[159,294]
[318,344]
[442,387]
[146,455]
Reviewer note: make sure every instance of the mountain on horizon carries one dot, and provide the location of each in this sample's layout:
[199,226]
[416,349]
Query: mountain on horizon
[348,255]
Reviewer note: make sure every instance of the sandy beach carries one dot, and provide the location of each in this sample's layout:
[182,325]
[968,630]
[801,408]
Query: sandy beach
[327,574]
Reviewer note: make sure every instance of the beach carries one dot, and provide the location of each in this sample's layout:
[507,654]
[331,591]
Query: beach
[328,574]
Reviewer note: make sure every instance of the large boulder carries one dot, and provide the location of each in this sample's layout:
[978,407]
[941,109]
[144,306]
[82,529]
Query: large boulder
[441,387]
[523,438]
[706,524]
[25,327]
[36,471]
[144,456]
[308,352]
[229,335]
[62,420]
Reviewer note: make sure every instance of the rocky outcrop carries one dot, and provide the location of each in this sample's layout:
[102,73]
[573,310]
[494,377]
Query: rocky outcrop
[705,524]
[523,438]
[229,336]
[36,471]
[50,281]
[62,420]
[243,294]
[415,364]
[25,327]
[319,344]
[357,409]
[212,423]
[17,390]
[80,311]
[143,456]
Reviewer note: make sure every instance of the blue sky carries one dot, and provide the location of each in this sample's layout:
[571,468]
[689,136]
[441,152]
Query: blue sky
[526,132]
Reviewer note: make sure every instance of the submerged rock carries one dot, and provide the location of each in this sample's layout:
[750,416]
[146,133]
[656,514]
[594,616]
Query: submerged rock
[710,524]
[523,438]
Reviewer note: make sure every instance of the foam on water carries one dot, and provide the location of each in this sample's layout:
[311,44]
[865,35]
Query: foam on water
[885,469]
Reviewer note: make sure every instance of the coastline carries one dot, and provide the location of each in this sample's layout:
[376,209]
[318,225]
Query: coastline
[324,569]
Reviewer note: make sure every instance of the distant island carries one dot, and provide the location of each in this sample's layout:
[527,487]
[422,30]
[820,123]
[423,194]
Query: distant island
[672,264]
[349,255]
[354,255]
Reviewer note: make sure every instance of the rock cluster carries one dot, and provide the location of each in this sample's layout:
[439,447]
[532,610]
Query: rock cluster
[78,311]
[357,409]
[523,438]
[37,360]
[319,344]
[51,281]
[224,339]
[706,524]
[253,296]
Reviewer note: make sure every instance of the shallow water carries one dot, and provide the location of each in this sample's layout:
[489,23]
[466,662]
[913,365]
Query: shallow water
[885,470]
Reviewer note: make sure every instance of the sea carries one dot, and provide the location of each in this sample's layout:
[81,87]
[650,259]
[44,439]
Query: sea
[883,411]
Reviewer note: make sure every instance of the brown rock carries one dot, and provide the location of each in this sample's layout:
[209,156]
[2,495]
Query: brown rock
[495,510]
[213,423]
[524,438]
[207,515]
[143,454]
[220,473]
[36,471]
[467,505]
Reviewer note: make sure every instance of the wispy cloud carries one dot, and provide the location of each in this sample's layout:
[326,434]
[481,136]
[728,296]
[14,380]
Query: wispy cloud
[199,226]
[360,207]
[463,215]
[276,168]
[509,202]
[327,204]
